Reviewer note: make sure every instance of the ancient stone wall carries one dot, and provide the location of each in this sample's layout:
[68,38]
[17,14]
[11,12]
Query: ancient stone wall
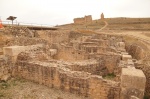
[91,66]
[55,76]
[79,20]
[86,19]
[136,51]
[24,41]
[146,69]
[20,31]
[54,36]
[68,53]
[5,69]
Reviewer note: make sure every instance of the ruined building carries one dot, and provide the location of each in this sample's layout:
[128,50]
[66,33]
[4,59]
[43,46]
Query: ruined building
[102,16]
[86,19]
[95,66]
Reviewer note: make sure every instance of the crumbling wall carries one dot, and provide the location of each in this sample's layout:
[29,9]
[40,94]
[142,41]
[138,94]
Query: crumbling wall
[86,19]
[103,89]
[5,69]
[80,83]
[68,53]
[79,20]
[24,41]
[110,61]
[20,31]
[136,51]
[146,69]
[91,66]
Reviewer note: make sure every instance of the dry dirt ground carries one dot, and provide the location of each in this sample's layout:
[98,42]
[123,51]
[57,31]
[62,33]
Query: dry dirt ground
[17,88]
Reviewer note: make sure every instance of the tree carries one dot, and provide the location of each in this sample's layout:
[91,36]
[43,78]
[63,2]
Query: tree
[12,18]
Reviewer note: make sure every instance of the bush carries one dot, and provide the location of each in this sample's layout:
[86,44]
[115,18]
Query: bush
[146,97]
[4,85]
[109,76]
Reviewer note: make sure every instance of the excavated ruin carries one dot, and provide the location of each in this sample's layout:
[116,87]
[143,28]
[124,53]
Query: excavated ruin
[96,66]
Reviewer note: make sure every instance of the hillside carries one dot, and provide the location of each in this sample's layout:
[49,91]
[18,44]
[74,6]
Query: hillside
[113,24]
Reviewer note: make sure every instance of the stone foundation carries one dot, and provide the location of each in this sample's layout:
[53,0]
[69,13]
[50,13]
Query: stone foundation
[55,76]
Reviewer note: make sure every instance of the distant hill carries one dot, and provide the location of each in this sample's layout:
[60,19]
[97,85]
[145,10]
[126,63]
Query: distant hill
[120,23]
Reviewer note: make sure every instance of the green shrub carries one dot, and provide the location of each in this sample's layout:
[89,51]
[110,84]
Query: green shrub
[146,97]
[109,76]
[4,85]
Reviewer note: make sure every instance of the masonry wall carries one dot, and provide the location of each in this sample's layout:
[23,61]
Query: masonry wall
[146,69]
[79,20]
[86,19]
[80,83]
[95,68]
[5,70]
[68,53]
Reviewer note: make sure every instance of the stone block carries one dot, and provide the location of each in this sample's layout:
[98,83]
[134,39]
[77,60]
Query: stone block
[131,77]
[13,50]
[53,52]
[126,57]
[121,45]
[132,83]
[124,53]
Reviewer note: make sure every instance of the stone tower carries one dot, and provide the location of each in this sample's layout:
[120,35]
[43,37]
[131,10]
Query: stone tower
[102,16]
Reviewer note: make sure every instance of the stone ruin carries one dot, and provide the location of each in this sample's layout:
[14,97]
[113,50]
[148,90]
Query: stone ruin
[86,19]
[102,16]
[95,66]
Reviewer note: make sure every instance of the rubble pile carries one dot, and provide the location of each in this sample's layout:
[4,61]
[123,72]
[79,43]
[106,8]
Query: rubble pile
[20,31]
[24,41]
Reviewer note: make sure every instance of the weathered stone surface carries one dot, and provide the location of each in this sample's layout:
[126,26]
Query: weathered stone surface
[132,83]
[85,19]
[126,57]
[81,83]
[13,51]
[5,70]
[76,63]
[136,51]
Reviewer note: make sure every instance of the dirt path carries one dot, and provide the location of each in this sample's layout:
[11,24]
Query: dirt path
[106,24]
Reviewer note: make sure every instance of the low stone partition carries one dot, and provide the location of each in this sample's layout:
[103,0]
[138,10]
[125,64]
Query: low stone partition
[110,60]
[5,71]
[91,66]
[56,75]
[13,51]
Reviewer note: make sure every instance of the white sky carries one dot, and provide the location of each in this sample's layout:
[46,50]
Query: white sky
[55,12]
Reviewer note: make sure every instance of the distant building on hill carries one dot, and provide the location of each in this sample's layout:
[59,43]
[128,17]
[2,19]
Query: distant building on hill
[86,19]
[102,16]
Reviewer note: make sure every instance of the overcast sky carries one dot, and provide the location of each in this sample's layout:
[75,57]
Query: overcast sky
[55,12]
